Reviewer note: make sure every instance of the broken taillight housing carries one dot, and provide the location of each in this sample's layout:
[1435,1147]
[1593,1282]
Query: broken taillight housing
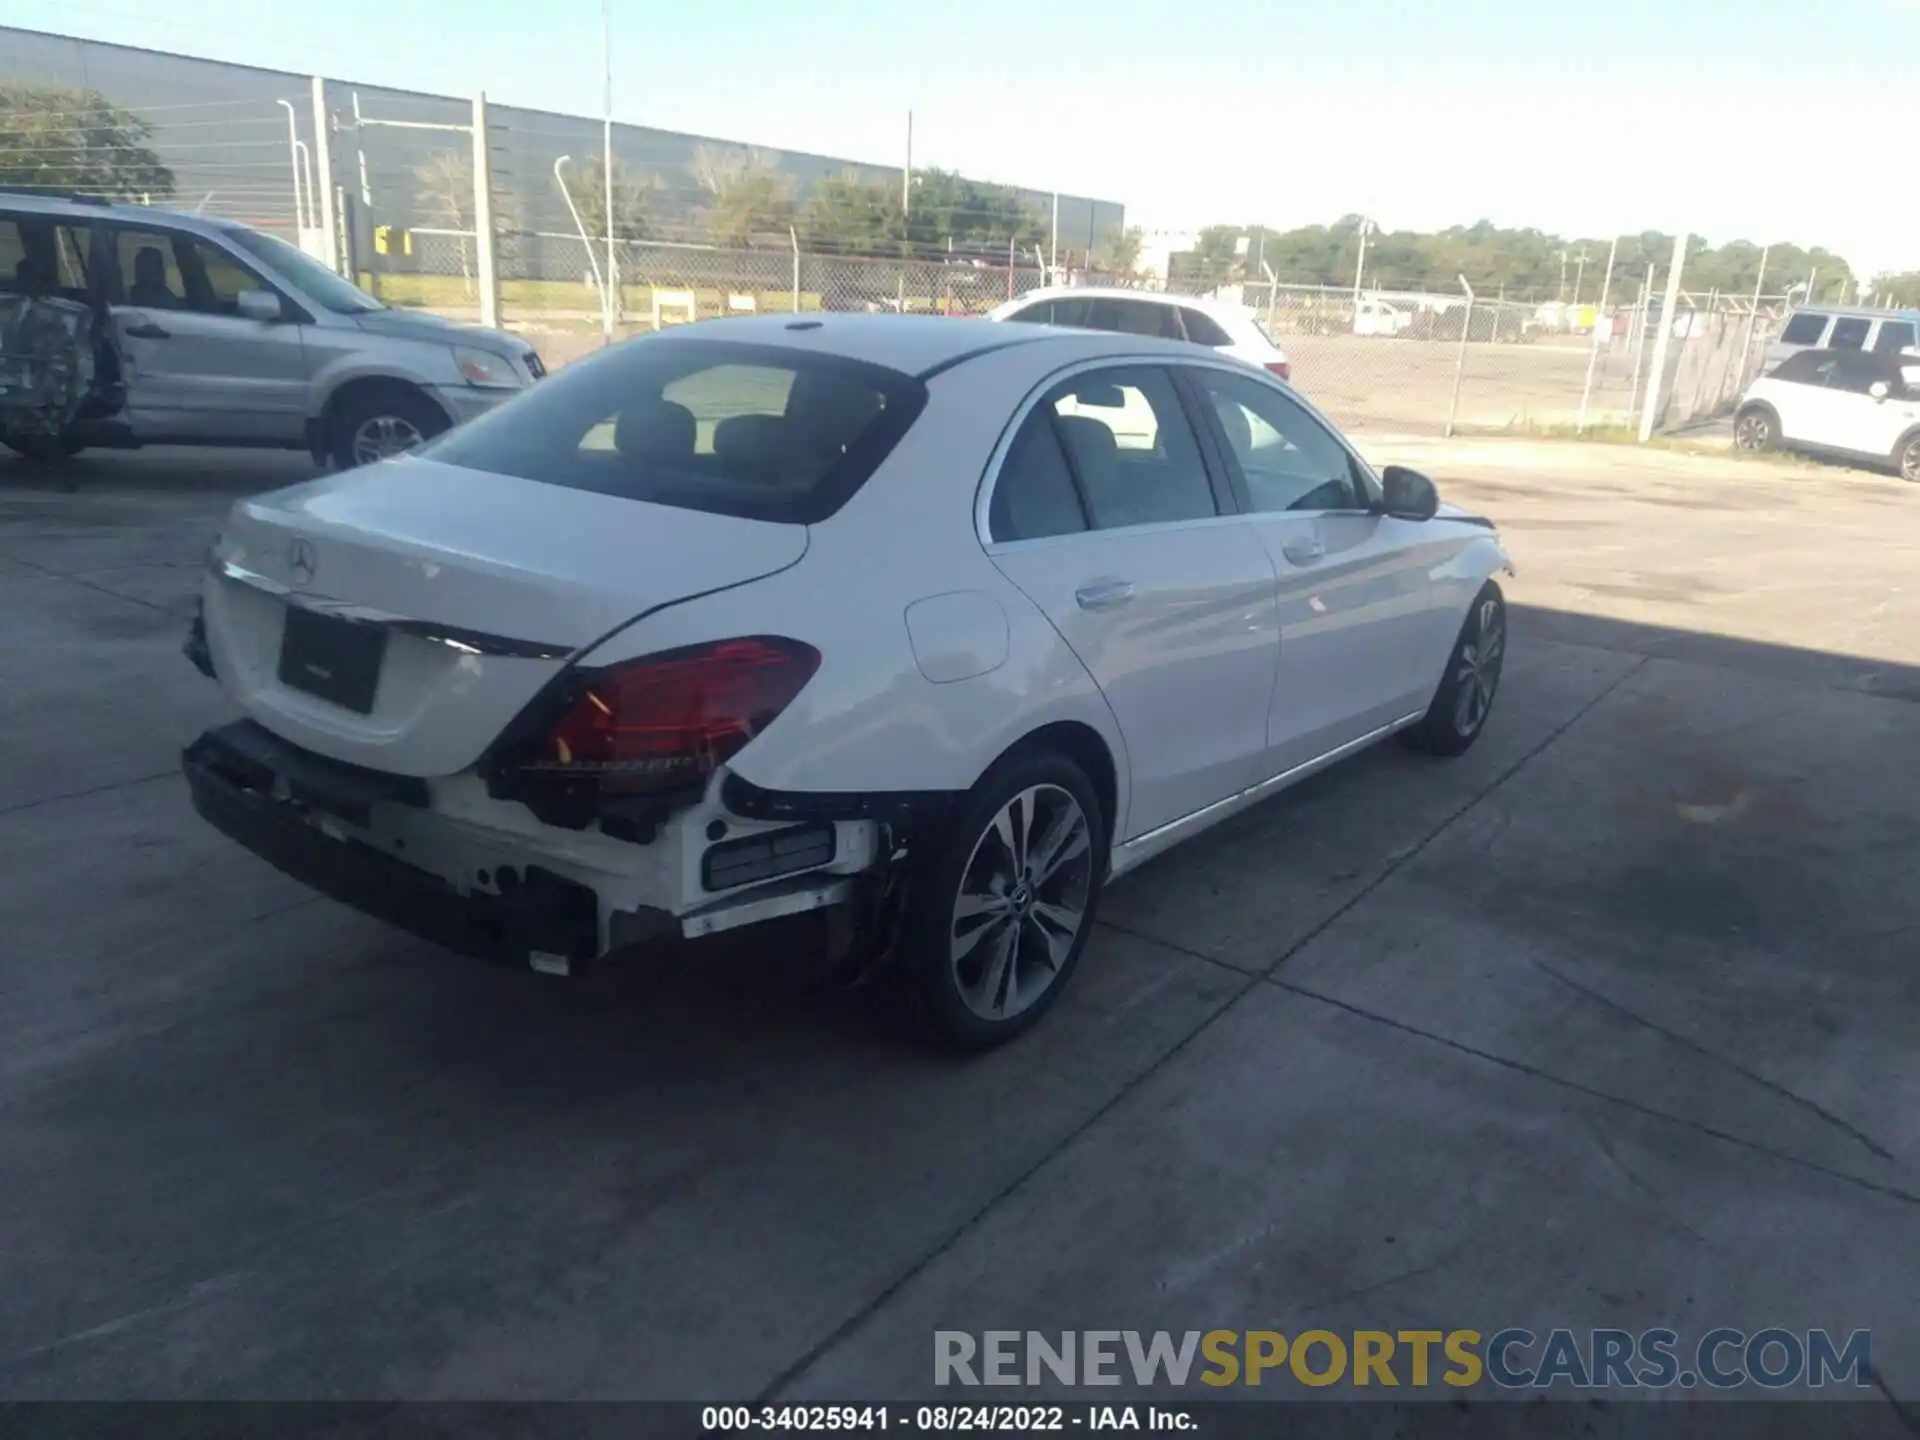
[670,720]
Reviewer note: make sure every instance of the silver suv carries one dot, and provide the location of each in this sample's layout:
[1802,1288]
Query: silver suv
[223,335]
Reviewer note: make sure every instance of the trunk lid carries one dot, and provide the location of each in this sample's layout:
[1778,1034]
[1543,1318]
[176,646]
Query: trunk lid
[483,585]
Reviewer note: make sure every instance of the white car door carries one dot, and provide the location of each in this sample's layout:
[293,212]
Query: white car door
[1127,542]
[1866,423]
[1357,618]
[1797,390]
[197,368]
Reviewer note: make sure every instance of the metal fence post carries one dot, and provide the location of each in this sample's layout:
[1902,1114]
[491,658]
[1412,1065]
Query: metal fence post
[323,154]
[1460,365]
[1657,365]
[794,236]
[1599,314]
[483,238]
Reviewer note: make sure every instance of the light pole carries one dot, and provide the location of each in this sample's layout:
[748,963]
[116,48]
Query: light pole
[301,203]
[611,295]
[593,263]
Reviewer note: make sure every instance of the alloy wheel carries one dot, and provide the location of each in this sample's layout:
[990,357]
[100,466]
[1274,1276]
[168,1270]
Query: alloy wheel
[1479,674]
[1022,901]
[382,436]
[1910,461]
[1752,432]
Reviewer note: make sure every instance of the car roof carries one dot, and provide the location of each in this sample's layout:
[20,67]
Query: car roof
[918,345]
[81,207]
[1118,292]
[1863,312]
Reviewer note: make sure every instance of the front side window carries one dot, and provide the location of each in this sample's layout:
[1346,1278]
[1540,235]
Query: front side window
[1804,328]
[1289,459]
[1856,374]
[1849,333]
[757,432]
[146,271]
[1130,447]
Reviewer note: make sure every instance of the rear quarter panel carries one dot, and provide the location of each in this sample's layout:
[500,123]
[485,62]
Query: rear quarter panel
[871,719]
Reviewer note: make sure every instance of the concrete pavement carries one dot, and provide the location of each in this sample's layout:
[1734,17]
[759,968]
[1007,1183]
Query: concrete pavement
[1612,1021]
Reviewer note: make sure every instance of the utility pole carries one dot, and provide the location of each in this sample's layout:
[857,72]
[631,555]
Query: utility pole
[323,162]
[1657,366]
[1053,250]
[610,297]
[486,274]
[1360,269]
[1561,294]
[1599,319]
[906,173]
[1579,273]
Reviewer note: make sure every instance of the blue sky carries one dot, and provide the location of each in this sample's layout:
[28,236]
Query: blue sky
[1764,120]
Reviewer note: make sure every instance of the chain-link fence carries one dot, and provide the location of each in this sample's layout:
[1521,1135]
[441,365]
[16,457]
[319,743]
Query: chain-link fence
[1421,363]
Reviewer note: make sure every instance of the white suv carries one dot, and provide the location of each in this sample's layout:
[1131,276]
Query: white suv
[1851,403]
[1228,329]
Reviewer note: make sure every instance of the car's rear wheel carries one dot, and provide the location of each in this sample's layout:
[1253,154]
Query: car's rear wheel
[1465,698]
[1907,458]
[1755,430]
[381,423]
[1002,910]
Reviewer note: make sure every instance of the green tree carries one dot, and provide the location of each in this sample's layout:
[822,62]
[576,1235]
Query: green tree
[748,198]
[633,199]
[852,215]
[52,138]
[443,189]
[1119,257]
[1897,288]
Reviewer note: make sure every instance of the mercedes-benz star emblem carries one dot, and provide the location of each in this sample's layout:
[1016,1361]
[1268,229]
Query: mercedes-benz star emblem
[300,557]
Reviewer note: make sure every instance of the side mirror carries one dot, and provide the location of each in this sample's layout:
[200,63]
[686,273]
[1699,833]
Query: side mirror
[1878,390]
[1409,494]
[258,305]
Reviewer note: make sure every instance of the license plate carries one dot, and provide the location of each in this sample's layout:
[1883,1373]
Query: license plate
[338,660]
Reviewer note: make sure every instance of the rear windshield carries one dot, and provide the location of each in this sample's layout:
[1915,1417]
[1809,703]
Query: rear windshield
[758,432]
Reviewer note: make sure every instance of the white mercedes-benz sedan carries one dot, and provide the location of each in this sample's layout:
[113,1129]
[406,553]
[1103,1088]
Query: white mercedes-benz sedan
[932,625]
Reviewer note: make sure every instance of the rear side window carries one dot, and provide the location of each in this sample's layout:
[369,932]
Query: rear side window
[757,432]
[1804,328]
[1849,333]
[1203,329]
[1135,317]
[1034,494]
[1894,336]
[1809,367]
[1131,449]
[1041,314]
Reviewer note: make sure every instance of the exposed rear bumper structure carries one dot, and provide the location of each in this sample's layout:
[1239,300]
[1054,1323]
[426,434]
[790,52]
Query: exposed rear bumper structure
[273,798]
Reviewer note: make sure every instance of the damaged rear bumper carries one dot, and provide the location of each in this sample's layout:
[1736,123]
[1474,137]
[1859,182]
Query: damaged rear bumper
[276,801]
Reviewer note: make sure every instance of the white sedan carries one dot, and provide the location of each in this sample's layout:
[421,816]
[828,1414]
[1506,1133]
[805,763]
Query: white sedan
[873,615]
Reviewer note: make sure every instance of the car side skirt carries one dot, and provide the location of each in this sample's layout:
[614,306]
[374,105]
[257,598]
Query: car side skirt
[1142,848]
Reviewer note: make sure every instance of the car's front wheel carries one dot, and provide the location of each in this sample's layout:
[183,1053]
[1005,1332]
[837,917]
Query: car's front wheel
[1465,698]
[382,423]
[1755,430]
[1907,459]
[1002,910]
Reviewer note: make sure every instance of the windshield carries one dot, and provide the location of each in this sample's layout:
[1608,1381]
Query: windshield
[753,431]
[313,280]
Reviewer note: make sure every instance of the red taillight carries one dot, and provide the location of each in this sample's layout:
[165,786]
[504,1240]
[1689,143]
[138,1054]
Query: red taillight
[671,719]
[1281,368]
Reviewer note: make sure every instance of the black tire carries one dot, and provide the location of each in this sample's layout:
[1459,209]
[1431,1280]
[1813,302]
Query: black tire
[48,450]
[392,410]
[1472,681]
[958,987]
[1906,458]
[1756,430]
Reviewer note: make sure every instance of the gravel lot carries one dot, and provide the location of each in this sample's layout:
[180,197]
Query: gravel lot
[1611,1022]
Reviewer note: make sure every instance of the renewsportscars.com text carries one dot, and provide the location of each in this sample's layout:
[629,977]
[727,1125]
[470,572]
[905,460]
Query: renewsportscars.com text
[1656,1359]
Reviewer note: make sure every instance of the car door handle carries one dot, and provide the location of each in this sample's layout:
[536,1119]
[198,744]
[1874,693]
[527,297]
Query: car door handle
[1304,552]
[1103,594]
[146,330]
